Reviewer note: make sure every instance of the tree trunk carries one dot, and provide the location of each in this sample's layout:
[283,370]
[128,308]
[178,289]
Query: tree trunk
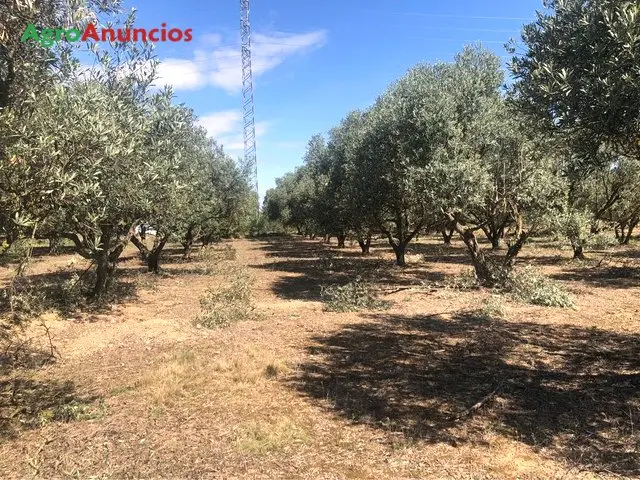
[624,232]
[143,233]
[484,272]
[514,249]
[404,237]
[630,229]
[578,253]
[102,274]
[487,274]
[103,270]
[365,243]
[187,243]
[153,260]
[400,250]
[341,239]
[447,236]
[142,248]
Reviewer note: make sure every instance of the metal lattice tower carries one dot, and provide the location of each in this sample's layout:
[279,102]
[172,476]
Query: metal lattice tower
[249,126]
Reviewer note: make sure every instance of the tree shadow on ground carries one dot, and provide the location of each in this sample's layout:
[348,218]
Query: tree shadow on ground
[568,392]
[630,252]
[315,265]
[603,277]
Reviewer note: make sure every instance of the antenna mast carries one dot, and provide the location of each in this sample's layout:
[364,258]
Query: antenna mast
[249,126]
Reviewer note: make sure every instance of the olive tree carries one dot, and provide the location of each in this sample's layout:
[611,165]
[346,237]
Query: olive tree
[173,146]
[345,201]
[488,159]
[293,201]
[400,136]
[579,77]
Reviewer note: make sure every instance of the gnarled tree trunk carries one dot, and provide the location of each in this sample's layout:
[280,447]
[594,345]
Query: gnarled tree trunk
[489,274]
[365,243]
[142,248]
[578,251]
[447,235]
[153,260]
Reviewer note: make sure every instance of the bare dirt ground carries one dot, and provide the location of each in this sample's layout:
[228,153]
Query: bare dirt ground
[298,392]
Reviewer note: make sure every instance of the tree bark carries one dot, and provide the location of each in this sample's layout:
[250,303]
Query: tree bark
[400,247]
[578,253]
[630,229]
[142,248]
[400,250]
[55,244]
[624,231]
[153,260]
[365,243]
[447,236]
[494,235]
[341,239]
[487,274]
[103,270]
[187,242]
[484,272]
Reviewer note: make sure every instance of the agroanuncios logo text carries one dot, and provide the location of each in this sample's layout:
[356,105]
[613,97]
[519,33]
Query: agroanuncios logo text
[48,36]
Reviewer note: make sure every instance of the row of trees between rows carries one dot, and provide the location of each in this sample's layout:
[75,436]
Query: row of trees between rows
[448,147]
[96,155]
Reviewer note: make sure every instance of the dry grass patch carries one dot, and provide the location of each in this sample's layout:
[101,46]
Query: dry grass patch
[251,366]
[277,368]
[181,375]
[268,436]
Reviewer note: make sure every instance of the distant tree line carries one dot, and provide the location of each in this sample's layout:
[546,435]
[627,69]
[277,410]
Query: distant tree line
[448,148]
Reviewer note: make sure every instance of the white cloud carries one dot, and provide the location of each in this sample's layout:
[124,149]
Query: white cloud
[219,123]
[181,74]
[221,66]
[227,128]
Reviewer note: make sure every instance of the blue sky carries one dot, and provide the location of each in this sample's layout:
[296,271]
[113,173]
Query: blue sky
[313,61]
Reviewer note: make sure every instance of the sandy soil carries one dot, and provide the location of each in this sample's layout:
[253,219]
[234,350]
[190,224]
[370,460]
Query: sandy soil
[429,388]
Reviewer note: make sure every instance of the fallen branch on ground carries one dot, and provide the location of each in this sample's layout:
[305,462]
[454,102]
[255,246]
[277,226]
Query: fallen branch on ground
[478,405]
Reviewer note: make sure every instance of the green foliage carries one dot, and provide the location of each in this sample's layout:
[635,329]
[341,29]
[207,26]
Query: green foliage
[466,280]
[579,76]
[227,304]
[214,255]
[603,241]
[73,411]
[351,297]
[576,226]
[441,144]
[493,308]
[134,158]
[529,285]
